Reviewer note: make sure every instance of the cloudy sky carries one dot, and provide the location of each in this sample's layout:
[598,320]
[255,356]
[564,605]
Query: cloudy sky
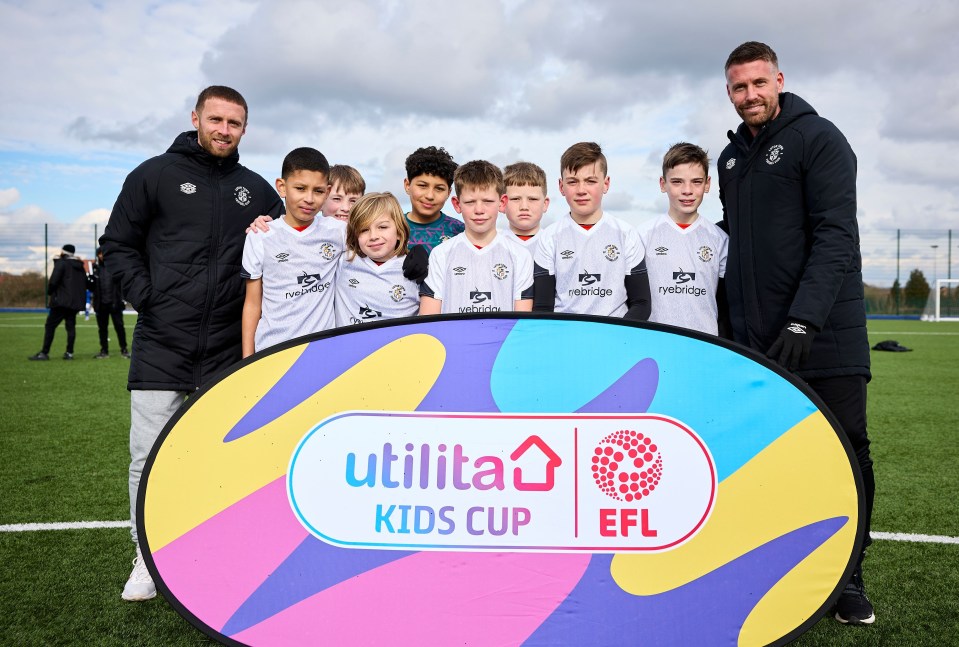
[91,89]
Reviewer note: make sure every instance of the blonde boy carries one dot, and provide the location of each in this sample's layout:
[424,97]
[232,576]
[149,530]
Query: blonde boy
[590,262]
[526,202]
[346,187]
[478,270]
[687,253]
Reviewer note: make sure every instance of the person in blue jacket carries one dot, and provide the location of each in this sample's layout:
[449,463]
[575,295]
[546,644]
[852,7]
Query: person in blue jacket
[787,183]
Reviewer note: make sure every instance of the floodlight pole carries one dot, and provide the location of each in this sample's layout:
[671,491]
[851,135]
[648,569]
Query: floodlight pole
[897,270]
[935,263]
[46,267]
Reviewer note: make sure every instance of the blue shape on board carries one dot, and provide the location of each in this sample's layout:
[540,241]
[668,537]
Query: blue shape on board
[707,611]
[631,393]
[313,567]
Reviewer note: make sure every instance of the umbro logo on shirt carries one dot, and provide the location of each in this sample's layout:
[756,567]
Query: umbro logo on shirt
[661,251]
[588,279]
[353,283]
[567,254]
[282,257]
[188,188]
[459,271]
[479,297]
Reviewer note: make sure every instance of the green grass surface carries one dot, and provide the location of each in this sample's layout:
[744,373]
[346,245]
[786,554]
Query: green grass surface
[64,454]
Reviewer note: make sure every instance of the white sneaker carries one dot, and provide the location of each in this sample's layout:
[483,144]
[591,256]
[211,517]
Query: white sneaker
[140,586]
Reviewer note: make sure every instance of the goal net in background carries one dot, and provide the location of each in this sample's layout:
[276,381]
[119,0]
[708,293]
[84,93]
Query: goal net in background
[943,302]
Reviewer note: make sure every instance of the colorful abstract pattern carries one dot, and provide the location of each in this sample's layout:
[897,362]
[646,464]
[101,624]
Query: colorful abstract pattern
[229,554]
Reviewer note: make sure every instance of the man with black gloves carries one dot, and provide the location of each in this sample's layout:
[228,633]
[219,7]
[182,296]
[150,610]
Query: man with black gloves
[174,242]
[68,296]
[794,272]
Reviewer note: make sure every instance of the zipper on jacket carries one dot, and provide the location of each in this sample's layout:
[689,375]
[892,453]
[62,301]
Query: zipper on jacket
[211,277]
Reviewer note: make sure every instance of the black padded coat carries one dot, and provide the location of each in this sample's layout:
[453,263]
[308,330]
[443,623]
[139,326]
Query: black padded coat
[175,243]
[789,206]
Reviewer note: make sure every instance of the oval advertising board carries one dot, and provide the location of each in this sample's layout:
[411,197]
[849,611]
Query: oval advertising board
[507,480]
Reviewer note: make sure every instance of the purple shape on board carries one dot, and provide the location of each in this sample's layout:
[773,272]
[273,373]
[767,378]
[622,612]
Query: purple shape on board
[471,351]
[707,611]
[632,393]
[313,567]
[470,363]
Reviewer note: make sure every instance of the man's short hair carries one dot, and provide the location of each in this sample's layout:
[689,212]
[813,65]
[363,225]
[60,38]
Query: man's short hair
[685,153]
[366,210]
[431,161]
[224,93]
[582,154]
[478,174]
[752,51]
[348,179]
[525,174]
[304,159]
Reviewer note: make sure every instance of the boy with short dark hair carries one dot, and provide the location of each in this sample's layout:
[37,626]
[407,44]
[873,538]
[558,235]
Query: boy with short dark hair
[526,202]
[429,178]
[590,262]
[478,270]
[686,262]
[290,268]
[346,187]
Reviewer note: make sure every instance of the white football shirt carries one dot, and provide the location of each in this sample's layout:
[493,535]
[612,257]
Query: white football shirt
[298,269]
[684,267]
[590,265]
[368,292]
[467,279]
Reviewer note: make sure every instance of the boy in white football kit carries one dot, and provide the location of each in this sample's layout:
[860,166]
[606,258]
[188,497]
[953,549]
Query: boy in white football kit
[478,270]
[370,285]
[685,253]
[590,263]
[526,202]
[290,269]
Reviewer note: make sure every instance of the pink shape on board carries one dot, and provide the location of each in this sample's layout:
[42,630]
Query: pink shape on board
[215,567]
[431,598]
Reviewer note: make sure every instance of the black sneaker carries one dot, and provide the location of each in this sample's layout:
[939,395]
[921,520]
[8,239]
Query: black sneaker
[102,355]
[853,607]
[41,356]
[125,353]
[68,356]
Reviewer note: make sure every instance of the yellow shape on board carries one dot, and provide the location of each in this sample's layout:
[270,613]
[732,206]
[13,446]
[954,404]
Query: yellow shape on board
[196,474]
[802,477]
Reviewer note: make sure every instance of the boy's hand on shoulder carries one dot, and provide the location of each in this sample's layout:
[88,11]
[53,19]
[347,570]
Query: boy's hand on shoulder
[262,223]
[416,265]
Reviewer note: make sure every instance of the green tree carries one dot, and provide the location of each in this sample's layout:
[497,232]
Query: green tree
[916,291]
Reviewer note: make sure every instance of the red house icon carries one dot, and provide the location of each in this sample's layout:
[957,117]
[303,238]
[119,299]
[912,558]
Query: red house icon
[552,462]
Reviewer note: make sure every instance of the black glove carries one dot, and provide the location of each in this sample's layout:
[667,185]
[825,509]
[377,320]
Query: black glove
[793,345]
[417,264]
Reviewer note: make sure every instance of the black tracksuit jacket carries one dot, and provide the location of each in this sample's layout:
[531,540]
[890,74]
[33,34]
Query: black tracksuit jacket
[789,206]
[175,243]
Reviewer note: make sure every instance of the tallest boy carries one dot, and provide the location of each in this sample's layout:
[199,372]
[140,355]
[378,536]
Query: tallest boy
[174,242]
[787,182]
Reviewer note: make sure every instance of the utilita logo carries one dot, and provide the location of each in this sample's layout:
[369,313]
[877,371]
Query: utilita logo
[504,482]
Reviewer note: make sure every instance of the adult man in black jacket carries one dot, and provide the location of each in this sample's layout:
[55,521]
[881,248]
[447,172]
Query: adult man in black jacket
[175,242]
[108,304]
[794,273]
[68,296]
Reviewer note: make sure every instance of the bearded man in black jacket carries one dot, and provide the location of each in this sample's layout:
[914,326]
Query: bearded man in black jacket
[794,274]
[175,242]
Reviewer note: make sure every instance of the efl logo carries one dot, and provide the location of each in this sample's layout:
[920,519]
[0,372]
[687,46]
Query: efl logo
[503,482]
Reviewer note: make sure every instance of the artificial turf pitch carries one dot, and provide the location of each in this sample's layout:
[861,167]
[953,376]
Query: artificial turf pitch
[64,453]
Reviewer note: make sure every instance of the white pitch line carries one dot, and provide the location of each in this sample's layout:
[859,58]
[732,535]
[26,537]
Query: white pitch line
[93,525]
[922,539]
[64,525]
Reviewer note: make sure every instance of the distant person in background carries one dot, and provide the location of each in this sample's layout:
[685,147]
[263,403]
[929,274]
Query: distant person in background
[787,182]
[108,305]
[68,296]
[174,243]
